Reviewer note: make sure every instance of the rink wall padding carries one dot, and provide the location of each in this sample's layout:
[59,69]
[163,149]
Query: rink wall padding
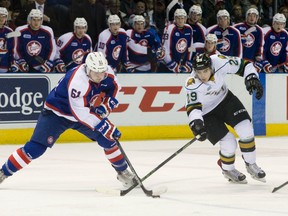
[151,106]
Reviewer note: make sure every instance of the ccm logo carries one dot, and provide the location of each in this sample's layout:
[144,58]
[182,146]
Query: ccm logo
[151,93]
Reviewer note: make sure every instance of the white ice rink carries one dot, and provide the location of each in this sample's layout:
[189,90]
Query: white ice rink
[62,182]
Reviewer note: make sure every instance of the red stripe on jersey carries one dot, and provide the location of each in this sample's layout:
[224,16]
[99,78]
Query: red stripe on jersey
[15,163]
[23,156]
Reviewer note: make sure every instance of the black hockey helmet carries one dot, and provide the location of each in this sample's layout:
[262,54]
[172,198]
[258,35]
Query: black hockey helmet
[201,61]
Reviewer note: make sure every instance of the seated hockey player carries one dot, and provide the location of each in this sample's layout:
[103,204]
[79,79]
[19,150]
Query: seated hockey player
[211,105]
[81,101]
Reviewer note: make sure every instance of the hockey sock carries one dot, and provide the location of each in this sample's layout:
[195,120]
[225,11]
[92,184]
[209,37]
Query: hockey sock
[22,157]
[116,158]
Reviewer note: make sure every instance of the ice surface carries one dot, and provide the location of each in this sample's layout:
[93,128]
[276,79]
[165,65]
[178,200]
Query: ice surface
[63,181]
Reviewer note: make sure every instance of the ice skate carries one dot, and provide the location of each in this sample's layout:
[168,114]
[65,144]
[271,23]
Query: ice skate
[126,178]
[2,176]
[256,172]
[233,175]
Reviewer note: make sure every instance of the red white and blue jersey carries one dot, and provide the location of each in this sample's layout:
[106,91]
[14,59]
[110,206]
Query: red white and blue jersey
[199,32]
[276,46]
[72,96]
[72,49]
[138,48]
[176,44]
[252,43]
[6,49]
[114,47]
[35,43]
[232,45]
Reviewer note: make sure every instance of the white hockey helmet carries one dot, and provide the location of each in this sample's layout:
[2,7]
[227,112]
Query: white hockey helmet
[80,22]
[211,37]
[138,18]
[223,13]
[96,62]
[35,13]
[3,11]
[180,12]
[278,17]
[195,9]
[252,11]
[113,19]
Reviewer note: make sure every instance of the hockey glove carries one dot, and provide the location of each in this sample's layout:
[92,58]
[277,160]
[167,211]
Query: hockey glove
[285,68]
[106,107]
[267,67]
[186,68]
[160,54]
[253,83]
[108,130]
[59,65]
[20,65]
[173,66]
[198,128]
[46,67]
[129,68]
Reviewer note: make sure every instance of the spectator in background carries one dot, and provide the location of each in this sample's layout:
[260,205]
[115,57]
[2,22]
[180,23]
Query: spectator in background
[276,44]
[49,16]
[6,44]
[228,35]
[199,31]
[159,16]
[35,49]
[210,20]
[237,15]
[73,47]
[267,12]
[62,12]
[284,10]
[127,7]
[95,15]
[114,9]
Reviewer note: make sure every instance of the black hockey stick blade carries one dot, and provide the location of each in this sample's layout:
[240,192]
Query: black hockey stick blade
[279,187]
[126,191]
[138,180]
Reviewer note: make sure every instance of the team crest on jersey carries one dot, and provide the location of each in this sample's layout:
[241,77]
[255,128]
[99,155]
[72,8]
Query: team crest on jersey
[33,48]
[190,81]
[276,48]
[250,39]
[226,45]
[181,45]
[77,55]
[116,52]
[143,42]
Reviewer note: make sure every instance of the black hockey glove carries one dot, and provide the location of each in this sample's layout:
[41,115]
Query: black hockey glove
[198,128]
[252,83]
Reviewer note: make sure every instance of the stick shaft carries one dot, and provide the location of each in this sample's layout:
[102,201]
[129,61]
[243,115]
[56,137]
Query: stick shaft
[124,192]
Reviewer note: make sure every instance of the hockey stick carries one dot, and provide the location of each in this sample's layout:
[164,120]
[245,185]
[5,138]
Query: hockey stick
[279,187]
[13,34]
[77,57]
[149,193]
[248,31]
[124,192]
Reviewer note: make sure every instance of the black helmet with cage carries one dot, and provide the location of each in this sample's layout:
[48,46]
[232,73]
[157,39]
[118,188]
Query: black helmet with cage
[201,61]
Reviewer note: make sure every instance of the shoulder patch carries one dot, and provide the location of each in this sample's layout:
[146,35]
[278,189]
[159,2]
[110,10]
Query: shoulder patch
[190,81]
[222,56]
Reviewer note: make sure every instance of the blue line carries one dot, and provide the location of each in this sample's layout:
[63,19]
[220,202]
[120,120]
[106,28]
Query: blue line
[259,110]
